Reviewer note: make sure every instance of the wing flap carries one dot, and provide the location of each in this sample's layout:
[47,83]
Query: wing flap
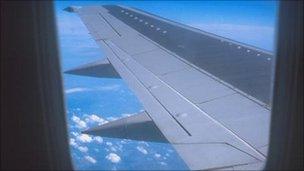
[212,156]
[101,68]
[136,127]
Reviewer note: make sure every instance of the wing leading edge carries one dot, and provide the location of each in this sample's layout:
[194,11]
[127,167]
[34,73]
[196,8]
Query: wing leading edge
[211,121]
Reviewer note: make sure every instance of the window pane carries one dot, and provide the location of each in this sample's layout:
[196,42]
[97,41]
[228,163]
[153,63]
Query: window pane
[228,51]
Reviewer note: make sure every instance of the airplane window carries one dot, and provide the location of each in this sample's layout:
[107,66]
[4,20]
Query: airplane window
[167,85]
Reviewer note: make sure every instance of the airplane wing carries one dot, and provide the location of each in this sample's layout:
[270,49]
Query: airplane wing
[207,95]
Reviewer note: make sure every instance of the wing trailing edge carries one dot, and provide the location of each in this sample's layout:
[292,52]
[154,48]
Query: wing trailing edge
[136,127]
[102,68]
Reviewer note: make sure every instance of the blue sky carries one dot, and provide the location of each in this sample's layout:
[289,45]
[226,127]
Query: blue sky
[92,101]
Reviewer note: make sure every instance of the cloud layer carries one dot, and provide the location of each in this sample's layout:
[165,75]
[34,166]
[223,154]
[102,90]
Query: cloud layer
[114,87]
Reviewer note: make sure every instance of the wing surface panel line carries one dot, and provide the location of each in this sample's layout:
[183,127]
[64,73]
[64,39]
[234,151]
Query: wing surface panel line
[225,167]
[189,134]
[100,15]
[225,143]
[204,113]
[214,70]
[109,50]
[257,101]
[248,96]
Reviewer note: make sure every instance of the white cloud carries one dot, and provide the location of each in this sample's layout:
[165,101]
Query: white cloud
[142,150]
[119,147]
[111,118]
[113,149]
[113,87]
[79,123]
[83,149]
[163,163]
[94,118]
[98,139]
[109,144]
[75,133]
[128,114]
[144,143]
[157,155]
[76,89]
[114,158]
[84,138]
[90,159]
[73,142]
